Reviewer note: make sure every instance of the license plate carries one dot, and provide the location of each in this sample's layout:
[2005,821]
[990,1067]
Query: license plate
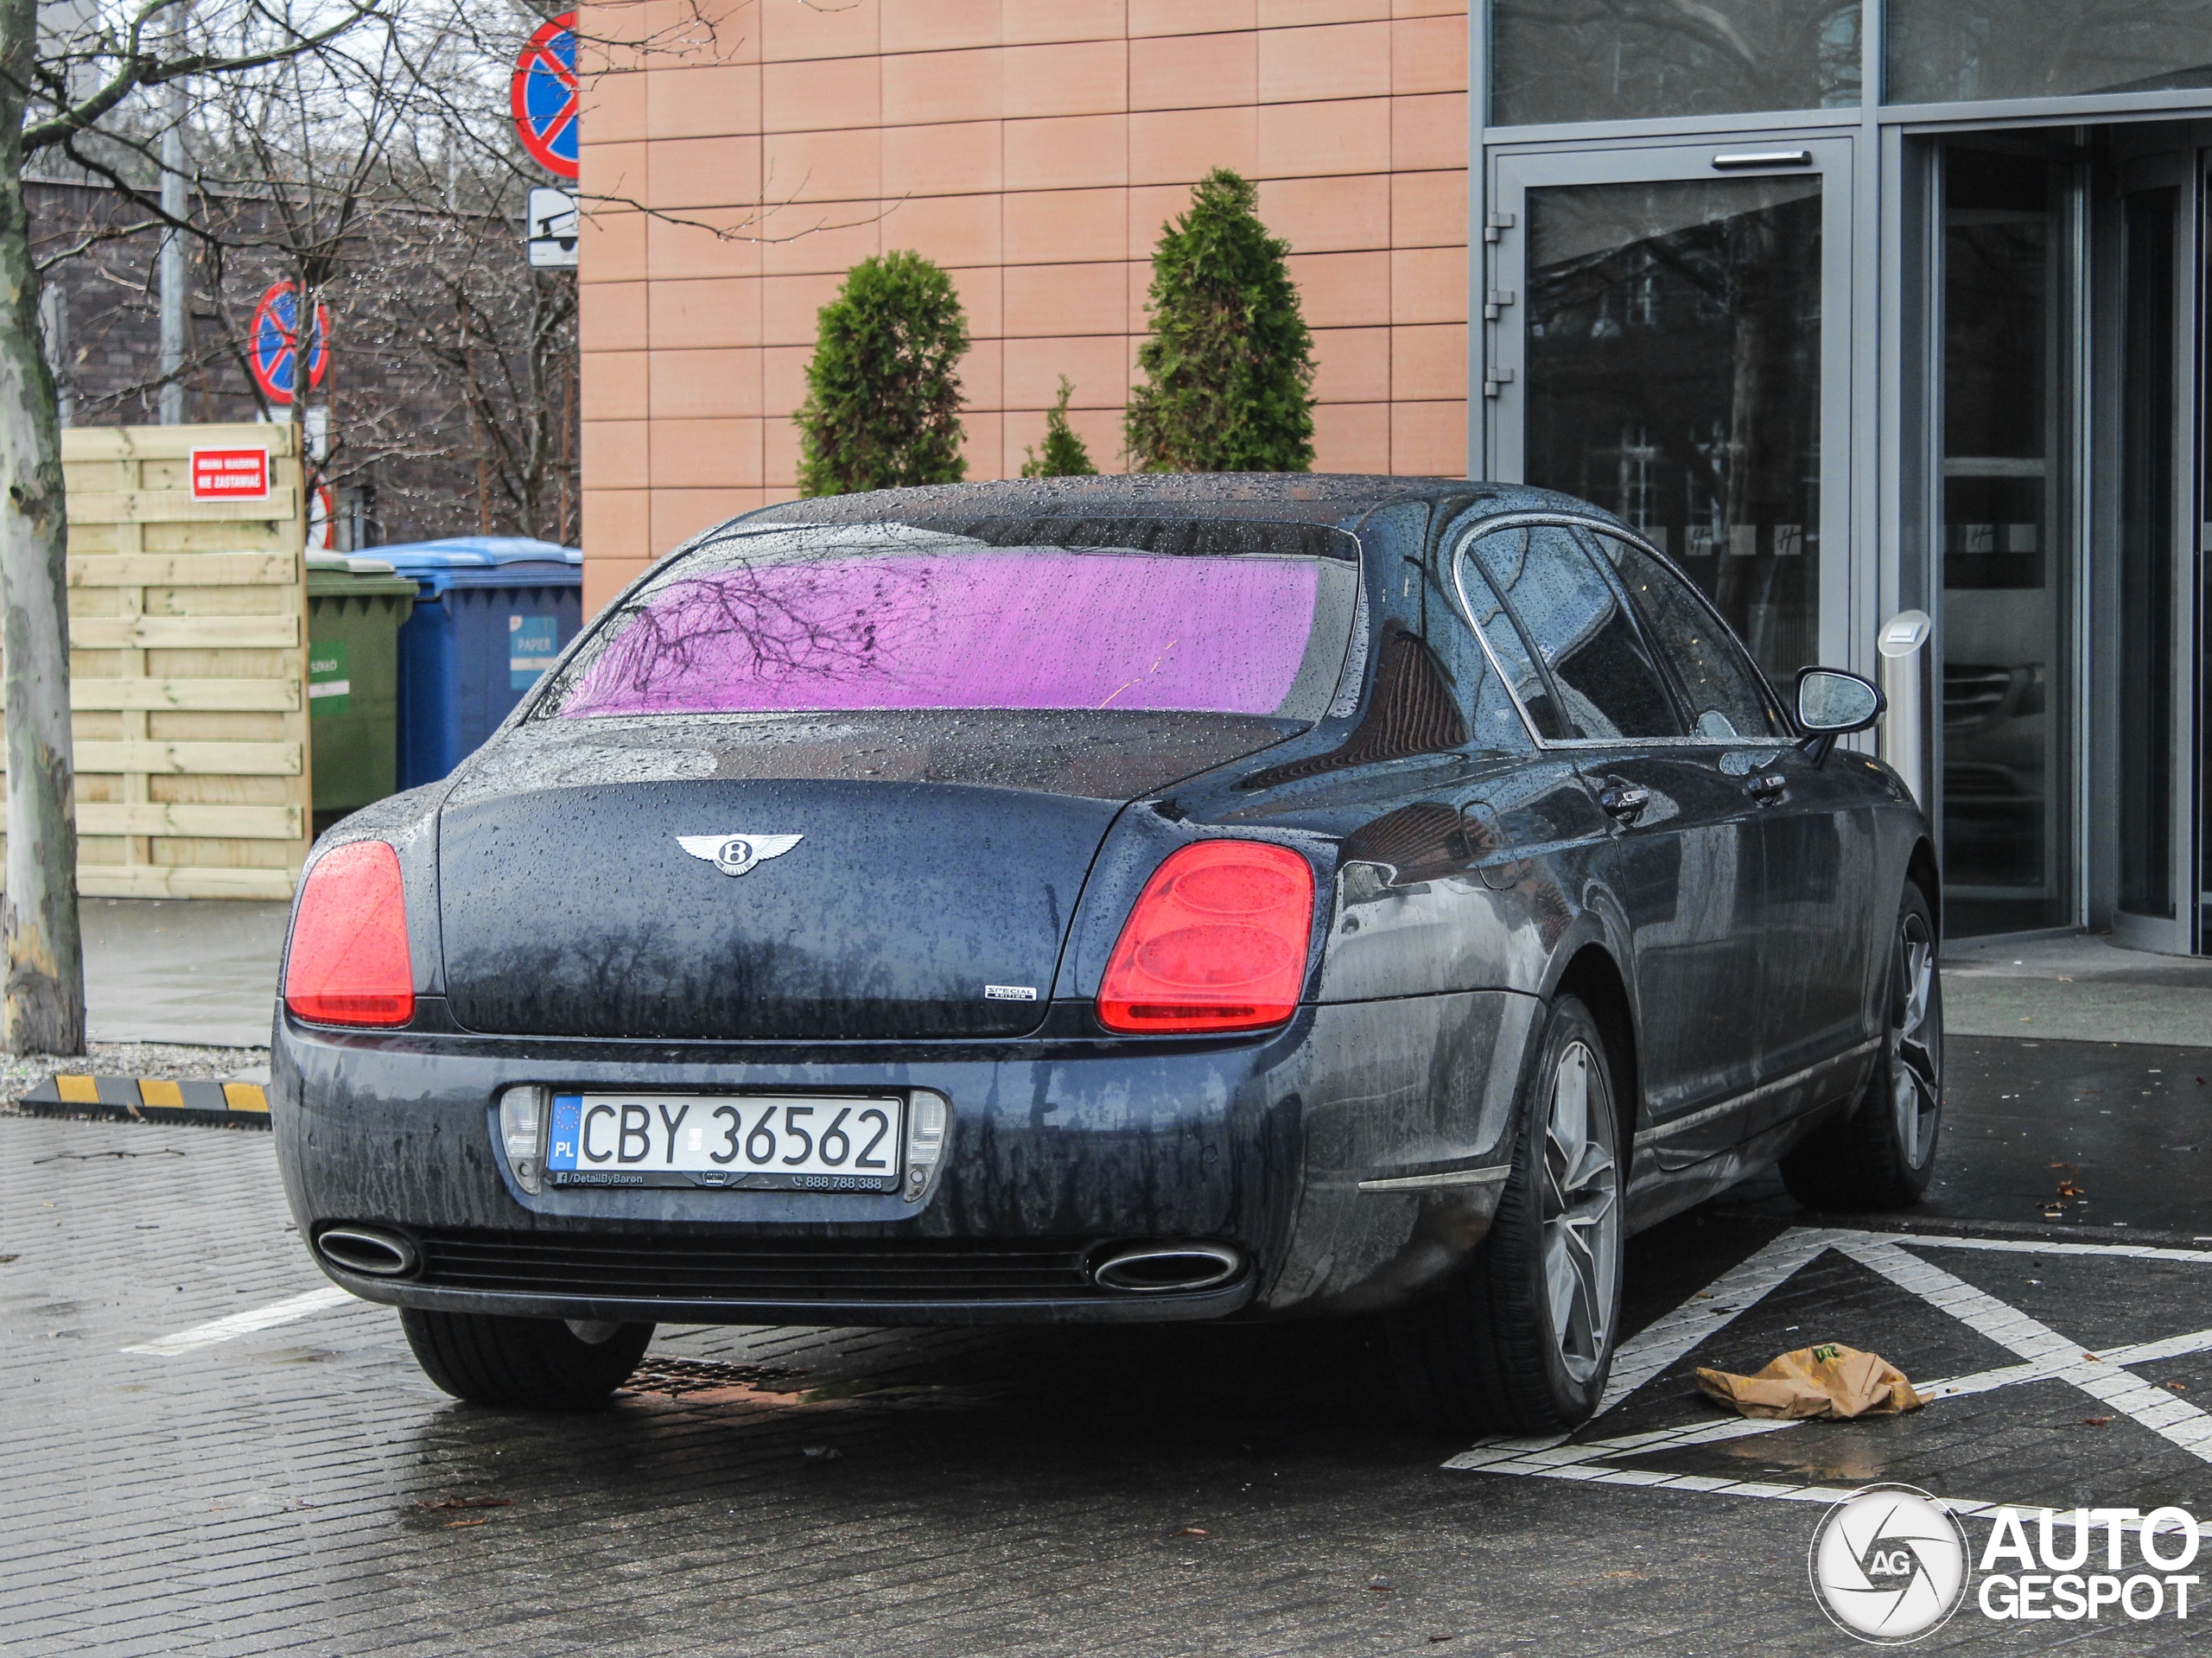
[818,1143]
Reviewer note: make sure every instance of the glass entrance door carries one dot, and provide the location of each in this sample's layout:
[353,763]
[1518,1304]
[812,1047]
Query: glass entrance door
[2010,297]
[2149,527]
[1668,343]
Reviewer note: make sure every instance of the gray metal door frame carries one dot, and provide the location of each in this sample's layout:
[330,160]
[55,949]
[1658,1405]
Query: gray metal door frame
[2180,171]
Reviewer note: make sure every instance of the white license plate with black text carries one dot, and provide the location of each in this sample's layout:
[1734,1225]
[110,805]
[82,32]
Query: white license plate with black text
[821,1143]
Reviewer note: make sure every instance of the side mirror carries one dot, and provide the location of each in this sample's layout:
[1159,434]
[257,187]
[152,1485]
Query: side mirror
[1830,702]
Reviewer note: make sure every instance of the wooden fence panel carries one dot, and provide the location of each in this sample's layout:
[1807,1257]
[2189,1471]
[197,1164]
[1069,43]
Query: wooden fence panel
[188,634]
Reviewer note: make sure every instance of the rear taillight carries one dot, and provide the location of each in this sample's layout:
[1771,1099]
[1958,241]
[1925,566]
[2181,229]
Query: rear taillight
[1217,942]
[348,964]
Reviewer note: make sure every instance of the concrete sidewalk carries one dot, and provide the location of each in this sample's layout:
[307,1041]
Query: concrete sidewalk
[200,971]
[2077,987]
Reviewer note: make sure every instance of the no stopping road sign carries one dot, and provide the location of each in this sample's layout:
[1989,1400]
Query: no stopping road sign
[272,341]
[545,95]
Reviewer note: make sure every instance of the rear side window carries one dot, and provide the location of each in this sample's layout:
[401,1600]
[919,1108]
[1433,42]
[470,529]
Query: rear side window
[1587,640]
[1722,686]
[827,619]
[1530,688]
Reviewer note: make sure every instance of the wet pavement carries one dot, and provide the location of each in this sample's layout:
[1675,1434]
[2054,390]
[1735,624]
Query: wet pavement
[2062,1138]
[301,1487]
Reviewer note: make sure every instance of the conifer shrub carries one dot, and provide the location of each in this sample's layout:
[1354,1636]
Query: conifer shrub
[1228,362]
[1065,454]
[883,407]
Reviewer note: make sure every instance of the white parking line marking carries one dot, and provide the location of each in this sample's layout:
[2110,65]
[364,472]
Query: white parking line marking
[2167,1347]
[1659,1343]
[2024,1247]
[1550,1455]
[2172,1419]
[2011,1375]
[244,1324]
[2047,1355]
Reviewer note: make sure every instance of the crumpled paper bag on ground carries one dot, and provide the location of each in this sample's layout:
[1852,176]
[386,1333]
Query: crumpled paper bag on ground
[1830,1380]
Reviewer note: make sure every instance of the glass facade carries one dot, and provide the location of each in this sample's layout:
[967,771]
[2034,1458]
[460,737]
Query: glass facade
[1939,50]
[1673,353]
[1776,282]
[1637,59]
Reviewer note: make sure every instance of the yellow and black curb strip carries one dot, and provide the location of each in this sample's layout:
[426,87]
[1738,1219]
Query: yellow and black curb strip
[149,1099]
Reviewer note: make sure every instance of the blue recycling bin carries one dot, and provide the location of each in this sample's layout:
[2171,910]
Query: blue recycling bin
[491,613]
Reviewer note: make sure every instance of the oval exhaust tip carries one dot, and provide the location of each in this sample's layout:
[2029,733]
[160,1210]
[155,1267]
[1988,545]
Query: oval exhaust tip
[1159,1269]
[369,1251]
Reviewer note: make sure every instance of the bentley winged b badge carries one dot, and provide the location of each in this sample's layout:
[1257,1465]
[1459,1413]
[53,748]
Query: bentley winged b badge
[735,853]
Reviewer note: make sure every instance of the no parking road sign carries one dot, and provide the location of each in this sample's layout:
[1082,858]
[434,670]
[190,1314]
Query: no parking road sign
[545,96]
[273,342]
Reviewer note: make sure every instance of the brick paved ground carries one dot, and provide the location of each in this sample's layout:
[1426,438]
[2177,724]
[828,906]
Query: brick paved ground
[303,1489]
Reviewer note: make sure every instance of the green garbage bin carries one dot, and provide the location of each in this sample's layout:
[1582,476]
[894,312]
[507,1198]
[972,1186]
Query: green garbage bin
[356,607]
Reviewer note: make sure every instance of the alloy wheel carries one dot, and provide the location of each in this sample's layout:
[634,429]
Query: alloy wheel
[1915,1083]
[1581,1205]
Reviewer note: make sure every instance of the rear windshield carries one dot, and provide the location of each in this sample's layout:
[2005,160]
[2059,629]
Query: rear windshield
[991,615]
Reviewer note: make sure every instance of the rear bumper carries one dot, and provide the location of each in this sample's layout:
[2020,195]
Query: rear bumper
[876,1304]
[1057,1149]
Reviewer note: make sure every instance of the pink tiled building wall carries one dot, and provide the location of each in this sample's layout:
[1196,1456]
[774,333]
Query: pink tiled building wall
[1033,148]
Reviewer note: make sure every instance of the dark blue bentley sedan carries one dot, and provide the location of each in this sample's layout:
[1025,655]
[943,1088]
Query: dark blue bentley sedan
[1112,899]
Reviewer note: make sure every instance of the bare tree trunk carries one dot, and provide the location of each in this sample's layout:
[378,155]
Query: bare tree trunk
[44,998]
[568,443]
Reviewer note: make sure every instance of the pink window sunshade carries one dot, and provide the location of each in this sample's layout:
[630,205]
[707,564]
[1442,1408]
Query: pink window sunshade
[1037,628]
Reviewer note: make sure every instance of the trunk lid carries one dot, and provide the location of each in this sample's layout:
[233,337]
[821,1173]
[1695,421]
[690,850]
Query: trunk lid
[937,866]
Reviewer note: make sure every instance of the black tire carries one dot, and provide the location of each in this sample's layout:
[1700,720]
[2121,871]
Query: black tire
[1870,1160]
[1487,1353]
[523,1363]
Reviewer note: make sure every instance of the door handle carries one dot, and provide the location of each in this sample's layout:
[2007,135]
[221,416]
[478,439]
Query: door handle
[1624,802]
[1767,787]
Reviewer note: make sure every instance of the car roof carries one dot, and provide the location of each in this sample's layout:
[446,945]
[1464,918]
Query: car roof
[1337,498]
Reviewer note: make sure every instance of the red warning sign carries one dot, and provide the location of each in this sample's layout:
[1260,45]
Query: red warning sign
[230,474]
